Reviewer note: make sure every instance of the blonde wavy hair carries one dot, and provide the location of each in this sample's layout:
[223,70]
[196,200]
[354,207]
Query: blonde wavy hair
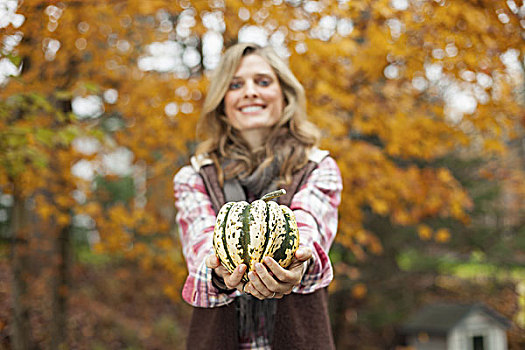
[289,139]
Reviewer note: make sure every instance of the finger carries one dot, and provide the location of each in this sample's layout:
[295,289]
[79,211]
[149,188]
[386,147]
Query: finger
[279,272]
[222,272]
[233,280]
[276,296]
[303,253]
[212,261]
[241,287]
[267,279]
[258,285]
[298,264]
[250,289]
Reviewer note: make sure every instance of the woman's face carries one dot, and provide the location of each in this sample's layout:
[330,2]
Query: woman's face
[254,100]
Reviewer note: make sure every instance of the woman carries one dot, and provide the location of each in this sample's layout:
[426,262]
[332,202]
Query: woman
[257,139]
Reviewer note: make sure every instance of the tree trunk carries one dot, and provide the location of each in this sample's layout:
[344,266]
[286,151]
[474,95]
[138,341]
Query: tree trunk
[61,290]
[21,328]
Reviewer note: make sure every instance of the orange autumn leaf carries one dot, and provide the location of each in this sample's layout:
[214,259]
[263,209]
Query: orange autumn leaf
[424,232]
[359,291]
[442,235]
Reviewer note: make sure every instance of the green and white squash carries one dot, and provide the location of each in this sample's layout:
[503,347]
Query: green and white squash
[245,233]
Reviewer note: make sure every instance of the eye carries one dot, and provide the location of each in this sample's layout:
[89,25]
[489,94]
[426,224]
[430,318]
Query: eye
[234,85]
[264,81]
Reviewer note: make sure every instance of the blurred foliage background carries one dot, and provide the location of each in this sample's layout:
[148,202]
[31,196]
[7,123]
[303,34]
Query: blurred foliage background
[421,102]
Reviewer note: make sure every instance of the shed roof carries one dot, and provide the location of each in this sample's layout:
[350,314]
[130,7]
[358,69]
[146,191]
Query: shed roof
[440,318]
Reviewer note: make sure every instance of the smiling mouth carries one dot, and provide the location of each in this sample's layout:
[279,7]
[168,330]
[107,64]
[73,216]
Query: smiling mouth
[249,109]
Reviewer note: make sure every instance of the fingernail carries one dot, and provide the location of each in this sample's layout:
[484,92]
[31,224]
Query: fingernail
[251,275]
[259,267]
[267,260]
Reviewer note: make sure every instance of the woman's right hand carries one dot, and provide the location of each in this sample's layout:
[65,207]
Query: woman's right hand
[231,280]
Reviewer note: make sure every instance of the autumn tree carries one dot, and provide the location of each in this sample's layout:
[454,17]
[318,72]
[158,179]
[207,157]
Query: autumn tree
[37,135]
[36,159]
[48,150]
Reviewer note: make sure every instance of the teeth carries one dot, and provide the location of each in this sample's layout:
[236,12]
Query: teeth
[251,109]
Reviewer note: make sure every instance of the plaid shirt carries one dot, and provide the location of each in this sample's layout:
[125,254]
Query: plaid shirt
[315,207]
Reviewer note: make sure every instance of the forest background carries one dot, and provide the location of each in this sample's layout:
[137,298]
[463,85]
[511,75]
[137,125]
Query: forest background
[421,102]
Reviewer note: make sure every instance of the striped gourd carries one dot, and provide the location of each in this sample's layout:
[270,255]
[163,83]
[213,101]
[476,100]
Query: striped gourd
[246,233]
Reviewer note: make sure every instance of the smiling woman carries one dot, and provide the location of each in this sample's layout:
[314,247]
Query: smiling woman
[292,134]
[254,102]
[255,139]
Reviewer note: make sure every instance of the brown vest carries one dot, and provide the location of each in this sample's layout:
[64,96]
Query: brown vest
[301,321]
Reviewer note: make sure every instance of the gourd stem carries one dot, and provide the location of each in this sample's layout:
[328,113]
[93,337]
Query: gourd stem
[273,195]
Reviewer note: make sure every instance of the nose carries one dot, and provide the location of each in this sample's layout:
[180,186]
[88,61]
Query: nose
[250,90]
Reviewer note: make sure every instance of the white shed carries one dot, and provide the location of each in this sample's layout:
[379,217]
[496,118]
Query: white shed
[456,327]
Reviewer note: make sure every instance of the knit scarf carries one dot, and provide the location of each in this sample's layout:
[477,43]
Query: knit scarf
[258,183]
[256,317]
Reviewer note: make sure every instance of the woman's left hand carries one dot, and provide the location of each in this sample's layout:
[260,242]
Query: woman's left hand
[273,281]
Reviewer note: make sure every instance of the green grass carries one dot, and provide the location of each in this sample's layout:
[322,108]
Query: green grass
[473,270]
[475,267]
[85,255]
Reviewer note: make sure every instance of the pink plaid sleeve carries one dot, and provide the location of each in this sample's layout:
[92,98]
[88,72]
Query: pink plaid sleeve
[196,220]
[315,207]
